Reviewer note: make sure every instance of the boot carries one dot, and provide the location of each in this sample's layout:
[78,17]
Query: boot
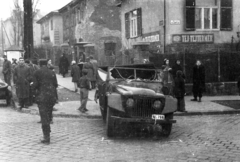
[200,100]
[46,139]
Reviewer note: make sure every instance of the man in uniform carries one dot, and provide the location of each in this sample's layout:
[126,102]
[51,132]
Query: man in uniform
[7,69]
[21,77]
[45,82]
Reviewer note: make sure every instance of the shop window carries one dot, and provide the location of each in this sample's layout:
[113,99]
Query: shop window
[133,23]
[208,14]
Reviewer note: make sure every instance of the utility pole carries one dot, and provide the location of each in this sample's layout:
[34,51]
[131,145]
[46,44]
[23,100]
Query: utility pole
[28,29]
[2,36]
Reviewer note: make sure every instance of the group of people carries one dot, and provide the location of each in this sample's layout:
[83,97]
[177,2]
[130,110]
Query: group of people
[34,83]
[84,77]
[174,80]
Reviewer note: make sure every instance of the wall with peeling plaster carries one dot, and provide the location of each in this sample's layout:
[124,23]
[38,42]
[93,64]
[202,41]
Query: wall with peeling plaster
[101,24]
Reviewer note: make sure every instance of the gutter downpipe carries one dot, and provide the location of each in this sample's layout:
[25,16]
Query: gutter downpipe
[164,27]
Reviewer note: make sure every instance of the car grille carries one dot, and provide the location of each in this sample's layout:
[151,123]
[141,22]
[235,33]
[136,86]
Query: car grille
[143,108]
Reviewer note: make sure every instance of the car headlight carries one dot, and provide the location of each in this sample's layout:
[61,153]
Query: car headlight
[157,104]
[130,103]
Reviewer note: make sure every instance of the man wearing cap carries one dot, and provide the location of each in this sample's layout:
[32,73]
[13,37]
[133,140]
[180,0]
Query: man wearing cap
[45,82]
[7,70]
[22,77]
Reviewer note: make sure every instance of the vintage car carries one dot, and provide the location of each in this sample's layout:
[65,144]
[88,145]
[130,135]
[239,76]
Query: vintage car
[134,94]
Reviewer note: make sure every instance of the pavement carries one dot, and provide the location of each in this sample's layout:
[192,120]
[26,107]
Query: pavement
[69,108]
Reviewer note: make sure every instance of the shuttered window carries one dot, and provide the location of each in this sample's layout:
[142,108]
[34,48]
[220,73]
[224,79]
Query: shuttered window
[133,23]
[226,15]
[205,15]
[190,15]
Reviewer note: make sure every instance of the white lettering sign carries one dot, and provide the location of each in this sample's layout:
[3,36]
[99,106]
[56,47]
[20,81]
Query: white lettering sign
[193,38]
[152,38]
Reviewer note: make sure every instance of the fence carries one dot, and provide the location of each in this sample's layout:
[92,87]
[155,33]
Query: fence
[220,65]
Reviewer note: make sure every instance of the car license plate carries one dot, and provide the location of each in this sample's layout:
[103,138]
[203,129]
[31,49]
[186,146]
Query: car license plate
[158,117]
[3,102]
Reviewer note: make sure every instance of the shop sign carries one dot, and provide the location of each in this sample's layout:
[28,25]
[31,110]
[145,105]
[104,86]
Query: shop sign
[175,22]
[193,38]
[151,38]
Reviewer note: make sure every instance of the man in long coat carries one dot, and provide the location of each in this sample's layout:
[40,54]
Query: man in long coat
[198,81]
[7,70]
[63,65]
[22,77]
[95,68]
[45,82]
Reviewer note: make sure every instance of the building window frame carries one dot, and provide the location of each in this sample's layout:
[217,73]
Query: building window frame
[133,23]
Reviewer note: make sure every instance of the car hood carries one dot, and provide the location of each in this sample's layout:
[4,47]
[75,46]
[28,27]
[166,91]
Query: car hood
[128,90]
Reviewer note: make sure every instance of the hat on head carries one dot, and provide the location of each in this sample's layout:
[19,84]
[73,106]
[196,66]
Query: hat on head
[42,62]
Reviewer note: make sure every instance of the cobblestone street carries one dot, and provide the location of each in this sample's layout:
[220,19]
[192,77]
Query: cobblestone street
[194,138]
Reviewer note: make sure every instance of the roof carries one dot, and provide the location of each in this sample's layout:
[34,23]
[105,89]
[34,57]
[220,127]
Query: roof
[70,4]
[50,14]
[14,48]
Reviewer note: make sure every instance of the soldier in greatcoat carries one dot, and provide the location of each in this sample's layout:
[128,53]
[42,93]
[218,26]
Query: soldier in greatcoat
[22,77]
[7,70]
[63,65]
[45,82]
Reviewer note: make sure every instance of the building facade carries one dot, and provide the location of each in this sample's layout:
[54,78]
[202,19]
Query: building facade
[93,27]
[51,29]
[174,25]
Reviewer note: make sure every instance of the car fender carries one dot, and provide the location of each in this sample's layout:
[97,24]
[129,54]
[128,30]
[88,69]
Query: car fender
[115,101]
[170,105]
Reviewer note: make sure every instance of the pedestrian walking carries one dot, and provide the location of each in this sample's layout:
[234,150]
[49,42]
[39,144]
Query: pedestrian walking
[167,76]
[21,77]
[75,74]
[84,85]
[63,65]
[177,67]
[95,68]
[45,81]
[179,91]
[7,70]
[89,67]
[198,81]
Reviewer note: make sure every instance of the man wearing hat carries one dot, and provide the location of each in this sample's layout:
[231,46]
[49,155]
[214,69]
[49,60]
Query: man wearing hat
[7,70]
[22,77]
[45,82]
[84,85]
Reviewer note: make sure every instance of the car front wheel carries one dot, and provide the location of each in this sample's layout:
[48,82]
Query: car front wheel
[167,128]
[110,123]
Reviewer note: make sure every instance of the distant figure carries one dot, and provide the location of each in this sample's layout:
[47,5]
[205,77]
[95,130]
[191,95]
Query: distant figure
[179,91]
[63,65]
[84,85]
[45,82]
[167,76]
[7,70]
[91,73]
[198,81]
[95,68]
[22,78]
[75,74]
[177,67]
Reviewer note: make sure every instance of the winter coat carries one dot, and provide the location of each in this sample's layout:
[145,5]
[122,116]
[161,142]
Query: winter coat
[45,82]
[176,68]
[91,73]
[198,78]
[7,71]
[179,87]
[95,68]
[167,76]
[63,65]
[75,73]
[21,78]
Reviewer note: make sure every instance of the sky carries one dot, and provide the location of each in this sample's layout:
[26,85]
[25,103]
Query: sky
[45,6]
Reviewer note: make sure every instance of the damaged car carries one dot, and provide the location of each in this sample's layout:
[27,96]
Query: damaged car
[134,94]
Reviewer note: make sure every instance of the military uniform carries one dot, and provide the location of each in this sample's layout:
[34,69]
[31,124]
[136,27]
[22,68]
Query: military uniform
[45,82]
[22,77]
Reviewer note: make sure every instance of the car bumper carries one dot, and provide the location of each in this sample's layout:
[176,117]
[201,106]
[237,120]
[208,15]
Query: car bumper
[142,120]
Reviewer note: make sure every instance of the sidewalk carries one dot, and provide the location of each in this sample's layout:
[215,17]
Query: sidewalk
[69,109]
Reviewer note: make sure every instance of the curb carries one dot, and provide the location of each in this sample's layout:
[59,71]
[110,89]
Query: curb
[208,113]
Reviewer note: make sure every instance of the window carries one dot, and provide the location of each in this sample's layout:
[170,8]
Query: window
[133,23]
[208,14]
[110,49]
